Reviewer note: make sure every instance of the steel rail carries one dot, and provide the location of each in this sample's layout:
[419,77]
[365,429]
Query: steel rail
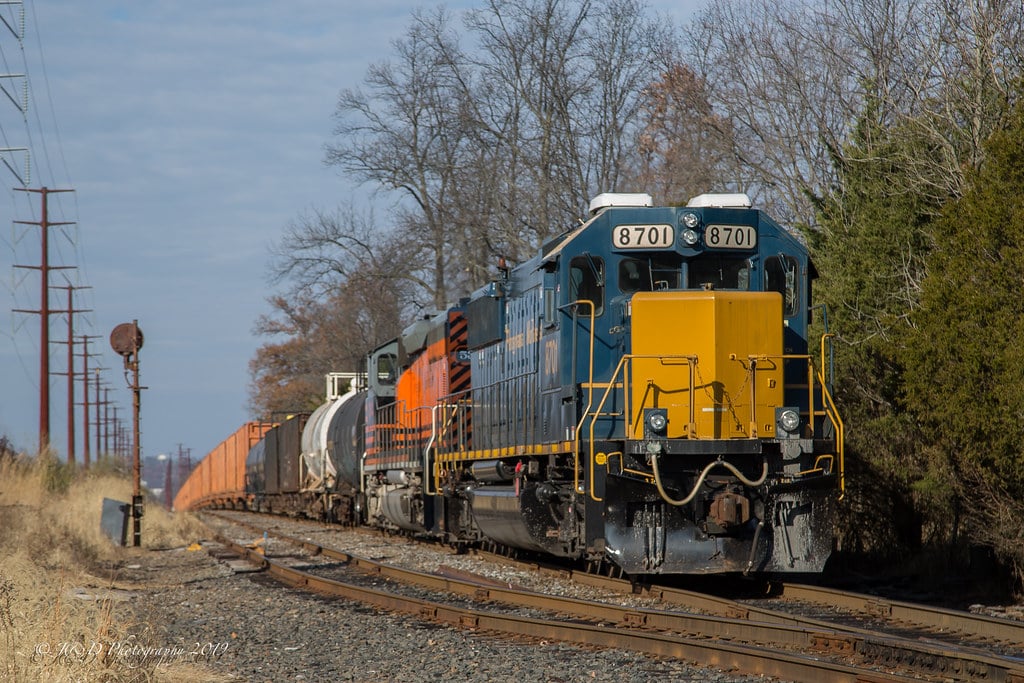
[733,621]
[950,620]
[753,659]
[926,616]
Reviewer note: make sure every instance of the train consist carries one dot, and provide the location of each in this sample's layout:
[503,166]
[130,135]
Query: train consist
[639,393]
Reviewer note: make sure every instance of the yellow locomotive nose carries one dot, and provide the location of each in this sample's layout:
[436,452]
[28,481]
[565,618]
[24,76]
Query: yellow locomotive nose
[710,361]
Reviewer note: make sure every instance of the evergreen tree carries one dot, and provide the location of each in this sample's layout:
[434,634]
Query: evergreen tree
[964,372]
[870,250]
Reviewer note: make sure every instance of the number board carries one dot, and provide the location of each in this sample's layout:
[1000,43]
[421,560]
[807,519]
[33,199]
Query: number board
[643,236]
[730,236]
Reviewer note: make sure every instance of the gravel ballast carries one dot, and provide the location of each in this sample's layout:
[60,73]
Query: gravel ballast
[245,626]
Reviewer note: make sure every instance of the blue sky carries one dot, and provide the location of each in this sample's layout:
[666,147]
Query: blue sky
[192,133]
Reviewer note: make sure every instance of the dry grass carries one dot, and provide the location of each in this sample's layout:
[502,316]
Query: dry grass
[52,542]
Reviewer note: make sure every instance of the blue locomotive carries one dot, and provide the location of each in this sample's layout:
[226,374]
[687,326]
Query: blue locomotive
[640,393]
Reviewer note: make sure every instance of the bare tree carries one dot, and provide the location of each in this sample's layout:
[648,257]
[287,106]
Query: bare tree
[350,288]
[971,62]
[682,148]
[627,50]
[530,52]
[792,78]
[562,81]
[766,72]
[407,136]
[309,337]
[489,152]
[283,373]
[320,250]
[498,146]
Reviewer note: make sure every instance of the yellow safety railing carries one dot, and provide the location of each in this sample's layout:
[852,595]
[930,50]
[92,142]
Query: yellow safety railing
[837,421]
[623,371]
[447,436]
[590,402]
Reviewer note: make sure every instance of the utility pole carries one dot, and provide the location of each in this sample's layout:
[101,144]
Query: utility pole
[85,397]
[107,424]
[98,403]
[71,310]
[44,311]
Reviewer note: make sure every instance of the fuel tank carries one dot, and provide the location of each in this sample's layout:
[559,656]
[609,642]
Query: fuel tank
[522,519]
[401,508]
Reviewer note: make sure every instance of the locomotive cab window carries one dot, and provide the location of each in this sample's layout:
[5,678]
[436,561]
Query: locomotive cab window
[665,274]
[634,276]
[780,276]
[550,301]
[586,282]
[643,275]
[387,368]
[720,272]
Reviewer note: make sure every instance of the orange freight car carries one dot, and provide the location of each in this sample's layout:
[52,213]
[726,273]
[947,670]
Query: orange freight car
[219,479]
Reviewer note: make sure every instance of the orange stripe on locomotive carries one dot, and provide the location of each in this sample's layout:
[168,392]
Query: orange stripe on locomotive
[402,429]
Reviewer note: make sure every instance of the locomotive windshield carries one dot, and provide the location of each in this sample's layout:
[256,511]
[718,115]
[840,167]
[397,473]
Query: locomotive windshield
[720,272]
[708,270]
[647,275]
[387,368]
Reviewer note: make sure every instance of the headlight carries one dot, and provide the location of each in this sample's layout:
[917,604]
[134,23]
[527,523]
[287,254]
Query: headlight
[657,420]
[690,237]
[789,420]
[690,220]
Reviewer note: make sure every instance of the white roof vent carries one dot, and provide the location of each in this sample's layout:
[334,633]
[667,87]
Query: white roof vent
[610,199]
[737,200]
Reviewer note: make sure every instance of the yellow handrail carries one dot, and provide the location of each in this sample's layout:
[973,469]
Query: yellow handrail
[833,415]
[837,422]
[829,409]
[590,399]
[451,412]
[593,418]
[623,367]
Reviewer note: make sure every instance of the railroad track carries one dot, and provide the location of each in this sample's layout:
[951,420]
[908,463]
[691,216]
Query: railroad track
[988,630]
[729,634]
